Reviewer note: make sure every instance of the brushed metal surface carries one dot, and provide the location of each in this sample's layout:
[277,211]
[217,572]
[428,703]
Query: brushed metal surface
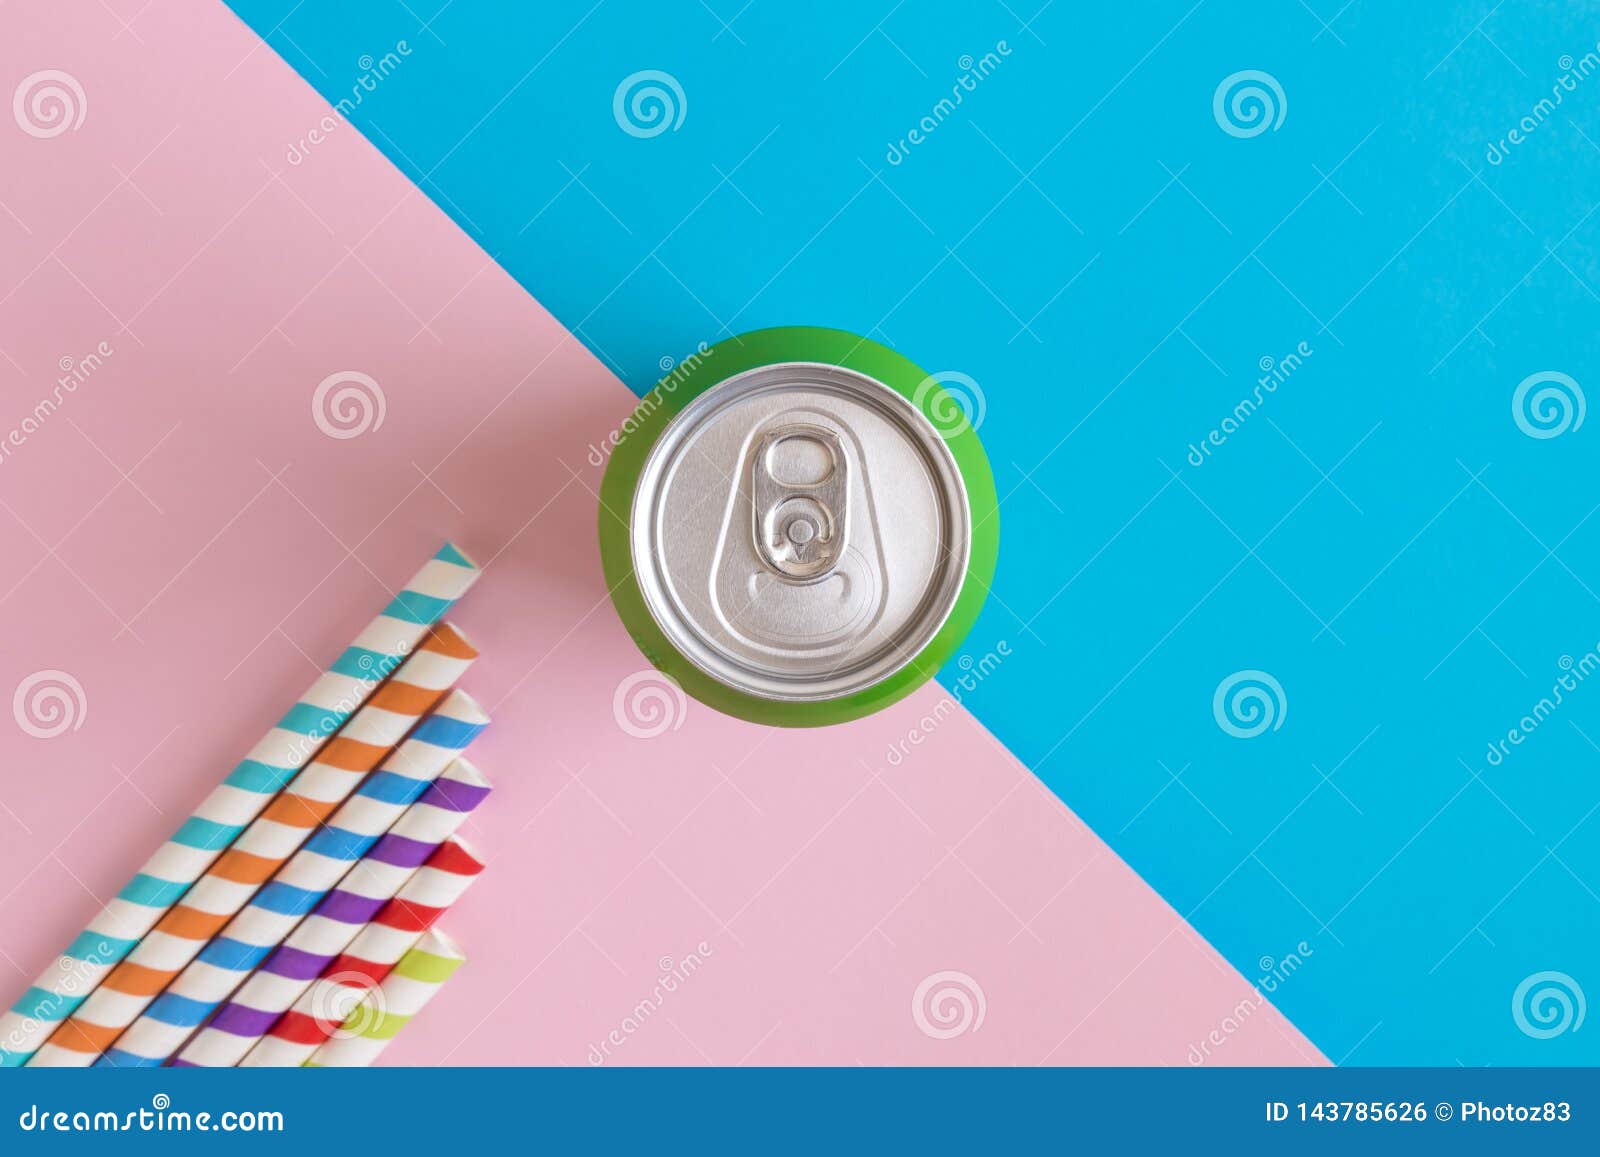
[897,512]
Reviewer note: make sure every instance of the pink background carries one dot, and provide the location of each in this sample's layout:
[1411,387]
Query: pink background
[184,541]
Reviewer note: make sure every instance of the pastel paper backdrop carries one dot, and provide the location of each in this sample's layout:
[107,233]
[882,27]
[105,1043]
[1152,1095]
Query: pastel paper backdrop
[198,522]
[1245,294]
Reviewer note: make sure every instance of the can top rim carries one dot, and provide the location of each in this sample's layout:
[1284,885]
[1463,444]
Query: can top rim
[858,672]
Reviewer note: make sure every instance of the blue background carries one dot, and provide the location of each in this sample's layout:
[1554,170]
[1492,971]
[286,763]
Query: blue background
[1084,241]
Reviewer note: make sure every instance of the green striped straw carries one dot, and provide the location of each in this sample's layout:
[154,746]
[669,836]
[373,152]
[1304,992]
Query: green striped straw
[206,834]
[387,1009]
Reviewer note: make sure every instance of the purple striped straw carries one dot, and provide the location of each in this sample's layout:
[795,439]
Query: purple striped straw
[270,991]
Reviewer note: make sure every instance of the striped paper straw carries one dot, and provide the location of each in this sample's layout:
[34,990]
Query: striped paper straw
[299,885]
[273,761]
[393,932]
[264,847]
[386,1010]
[273,988]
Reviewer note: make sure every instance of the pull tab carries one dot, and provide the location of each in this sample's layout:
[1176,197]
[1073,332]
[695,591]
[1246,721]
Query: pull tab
[801,524]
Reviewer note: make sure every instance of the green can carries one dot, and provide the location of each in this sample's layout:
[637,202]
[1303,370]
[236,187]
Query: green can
[798,526]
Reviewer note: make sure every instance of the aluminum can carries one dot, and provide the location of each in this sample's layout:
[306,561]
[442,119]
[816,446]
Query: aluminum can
[798,526]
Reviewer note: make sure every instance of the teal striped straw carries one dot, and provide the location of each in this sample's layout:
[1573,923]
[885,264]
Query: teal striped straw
[206,834]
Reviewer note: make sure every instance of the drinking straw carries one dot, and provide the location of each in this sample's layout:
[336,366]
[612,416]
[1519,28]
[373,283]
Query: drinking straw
[265,847]
[298,885]
[342,913]
[273,762]
[393,932]
[384,1011]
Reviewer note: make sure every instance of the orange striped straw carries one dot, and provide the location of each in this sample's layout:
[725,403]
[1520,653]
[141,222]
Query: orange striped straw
[367,738]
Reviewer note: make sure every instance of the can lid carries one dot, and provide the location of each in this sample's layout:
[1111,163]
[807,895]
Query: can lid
[800,532]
